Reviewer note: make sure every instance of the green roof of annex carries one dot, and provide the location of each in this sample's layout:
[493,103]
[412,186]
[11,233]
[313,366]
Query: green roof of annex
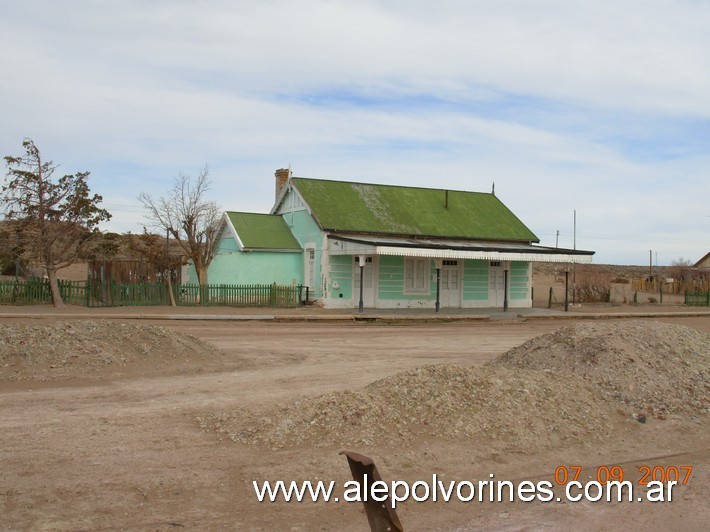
[263,231]
[343,206]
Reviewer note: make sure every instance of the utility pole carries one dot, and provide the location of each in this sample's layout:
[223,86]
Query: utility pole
[168,270]
[575,229]
[567,288]
[557,239]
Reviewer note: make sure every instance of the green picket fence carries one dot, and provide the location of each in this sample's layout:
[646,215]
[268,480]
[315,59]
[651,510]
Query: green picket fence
[112,294]
[239,295]
[697,298]
[36,291]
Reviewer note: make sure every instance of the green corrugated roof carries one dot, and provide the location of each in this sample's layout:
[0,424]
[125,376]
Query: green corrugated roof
[263,231]
[387,209]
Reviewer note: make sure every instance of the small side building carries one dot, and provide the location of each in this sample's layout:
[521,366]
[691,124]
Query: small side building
[256,249]
[702,268]
[704,263]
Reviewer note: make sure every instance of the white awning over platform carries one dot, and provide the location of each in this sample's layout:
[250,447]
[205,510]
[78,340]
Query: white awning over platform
[453,249]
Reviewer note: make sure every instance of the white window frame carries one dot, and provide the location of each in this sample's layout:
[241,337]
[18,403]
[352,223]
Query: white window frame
[416,275]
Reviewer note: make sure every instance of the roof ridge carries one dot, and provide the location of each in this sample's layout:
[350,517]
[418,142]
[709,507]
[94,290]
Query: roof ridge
[251,213]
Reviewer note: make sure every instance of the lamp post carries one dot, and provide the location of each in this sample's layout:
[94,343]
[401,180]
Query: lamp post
[167,249]
[505,287]
[439,263]
[361,262]
[574,266]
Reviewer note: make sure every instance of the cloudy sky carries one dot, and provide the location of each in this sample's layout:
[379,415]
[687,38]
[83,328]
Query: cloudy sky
[596,106]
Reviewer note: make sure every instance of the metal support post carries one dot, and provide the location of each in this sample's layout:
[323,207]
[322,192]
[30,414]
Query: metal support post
[438,288]
[361,262]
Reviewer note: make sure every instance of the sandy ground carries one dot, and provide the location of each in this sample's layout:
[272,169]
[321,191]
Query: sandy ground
[125,452]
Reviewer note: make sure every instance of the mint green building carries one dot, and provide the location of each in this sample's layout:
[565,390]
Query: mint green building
[382,246]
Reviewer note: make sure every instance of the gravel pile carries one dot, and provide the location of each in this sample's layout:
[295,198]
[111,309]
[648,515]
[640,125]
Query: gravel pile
[522,410]
[649,367]
[86,347]
[567,387]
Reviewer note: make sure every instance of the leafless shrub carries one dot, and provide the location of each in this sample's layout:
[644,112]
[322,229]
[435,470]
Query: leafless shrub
[620,280]
[591,287]
[591,293]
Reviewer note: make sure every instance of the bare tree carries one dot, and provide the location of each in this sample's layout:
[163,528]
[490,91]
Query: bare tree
[681,269]
[157,251]
[189,217]
[55,217]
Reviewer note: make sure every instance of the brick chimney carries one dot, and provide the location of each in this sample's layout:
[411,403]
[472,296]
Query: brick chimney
[282,177]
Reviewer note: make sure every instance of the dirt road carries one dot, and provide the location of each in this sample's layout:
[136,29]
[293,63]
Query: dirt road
[128,454]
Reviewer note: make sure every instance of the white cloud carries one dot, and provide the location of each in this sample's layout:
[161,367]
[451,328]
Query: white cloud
[600,106]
